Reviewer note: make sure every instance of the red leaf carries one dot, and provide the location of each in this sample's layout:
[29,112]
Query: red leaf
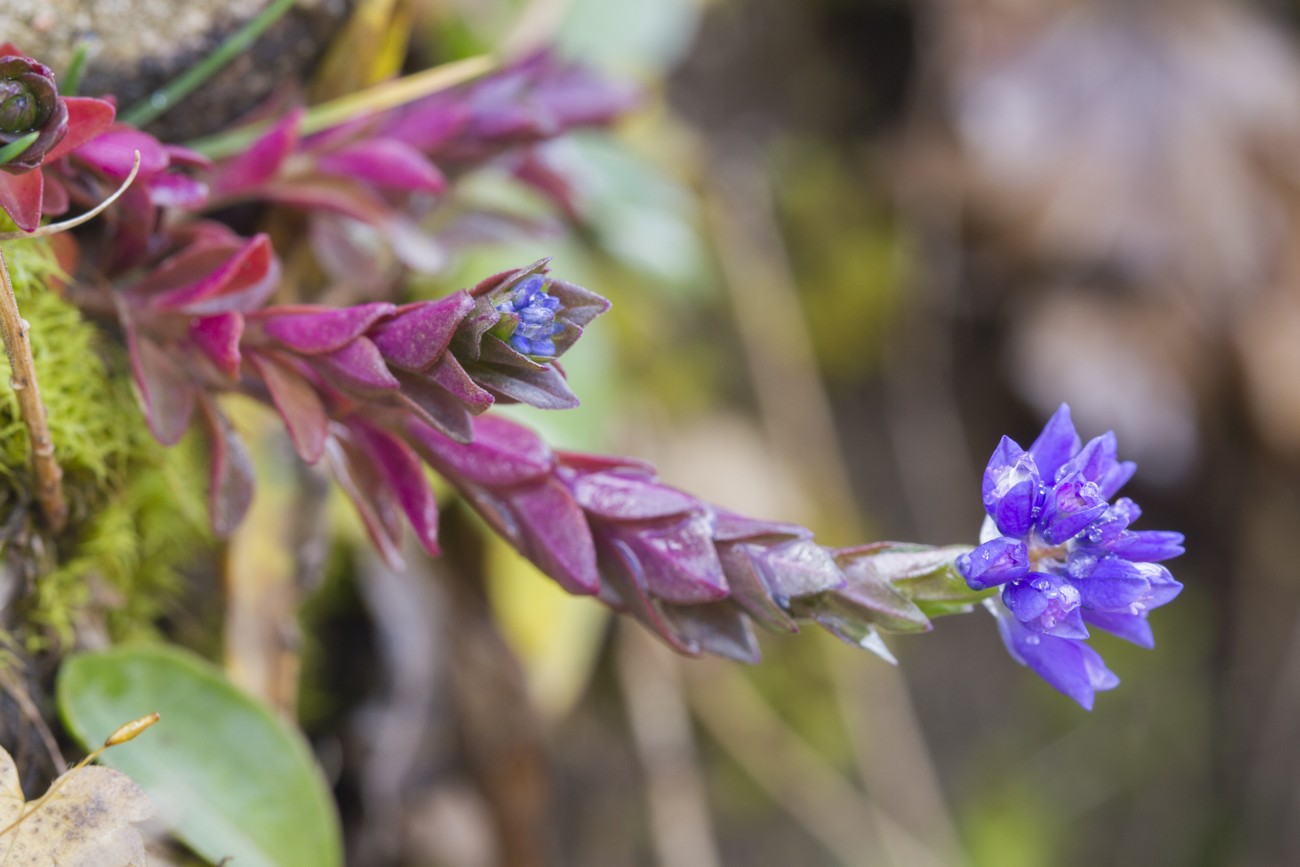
[87,118]
[20,197]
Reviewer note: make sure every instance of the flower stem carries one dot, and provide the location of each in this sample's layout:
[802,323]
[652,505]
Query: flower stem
[49,476]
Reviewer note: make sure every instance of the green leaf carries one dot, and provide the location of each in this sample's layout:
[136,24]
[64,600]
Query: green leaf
[231,779]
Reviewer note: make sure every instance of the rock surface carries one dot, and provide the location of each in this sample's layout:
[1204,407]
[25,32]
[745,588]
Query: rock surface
[135,46]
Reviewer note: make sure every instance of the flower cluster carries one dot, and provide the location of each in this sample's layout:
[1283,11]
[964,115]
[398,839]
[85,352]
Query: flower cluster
[1064,556]
[379,391]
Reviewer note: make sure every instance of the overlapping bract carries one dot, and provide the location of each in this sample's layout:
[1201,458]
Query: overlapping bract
[197,326]
[193,296]
[1065,557]
[697,575]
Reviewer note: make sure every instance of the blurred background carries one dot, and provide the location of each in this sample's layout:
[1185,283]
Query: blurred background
[849,244]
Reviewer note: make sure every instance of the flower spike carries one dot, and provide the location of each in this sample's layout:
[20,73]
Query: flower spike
[1064,556]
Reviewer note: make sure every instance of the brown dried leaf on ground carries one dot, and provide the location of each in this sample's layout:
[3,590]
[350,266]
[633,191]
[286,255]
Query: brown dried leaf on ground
[86,822]
[1156,141]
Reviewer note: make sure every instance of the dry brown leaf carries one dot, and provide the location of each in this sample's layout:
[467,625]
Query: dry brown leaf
[86,822]
[1152,140]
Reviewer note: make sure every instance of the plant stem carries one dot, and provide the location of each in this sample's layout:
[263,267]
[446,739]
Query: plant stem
[183,85]
[45,467]
[363,103]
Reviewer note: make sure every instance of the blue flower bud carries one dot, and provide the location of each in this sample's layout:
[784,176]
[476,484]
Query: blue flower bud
[995,562]
[1012,489]
[1070,506]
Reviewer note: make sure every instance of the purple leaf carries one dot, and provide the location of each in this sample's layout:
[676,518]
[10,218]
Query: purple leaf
[165,390]
[503,454]
[544,389]
[435,406]
[556,536]
[263,159]
[218,337]
[749,590]
[730,527]
[796,568]
[427,123]
[230,480]
[449,374]
[623,499]
[213,279]
[174,190]
[113,153]
[359,478]
[719,628]
[299,405]
[679,562]
[417,335]
[385,162]
[626,579]
[338,195]
[404,475]
[358,369]
[310,329]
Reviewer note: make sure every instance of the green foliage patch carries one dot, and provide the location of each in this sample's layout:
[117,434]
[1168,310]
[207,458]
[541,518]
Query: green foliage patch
[137,509]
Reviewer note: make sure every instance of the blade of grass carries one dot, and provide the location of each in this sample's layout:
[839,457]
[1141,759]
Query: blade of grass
[17,147]
[372,100]
[158,102]
[71,81]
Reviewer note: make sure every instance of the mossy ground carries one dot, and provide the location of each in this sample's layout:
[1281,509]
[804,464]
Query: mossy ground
[137,509]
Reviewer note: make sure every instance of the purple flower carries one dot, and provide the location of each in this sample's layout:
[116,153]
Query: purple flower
[528,318]
[1065,557]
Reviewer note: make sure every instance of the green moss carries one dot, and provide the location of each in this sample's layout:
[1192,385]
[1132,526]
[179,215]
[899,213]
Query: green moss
[137,509]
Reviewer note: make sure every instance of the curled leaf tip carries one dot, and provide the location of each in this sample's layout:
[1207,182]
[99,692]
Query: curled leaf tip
[56,228]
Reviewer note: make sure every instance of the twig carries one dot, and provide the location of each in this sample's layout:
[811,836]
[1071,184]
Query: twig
[49,476]
[13,328]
